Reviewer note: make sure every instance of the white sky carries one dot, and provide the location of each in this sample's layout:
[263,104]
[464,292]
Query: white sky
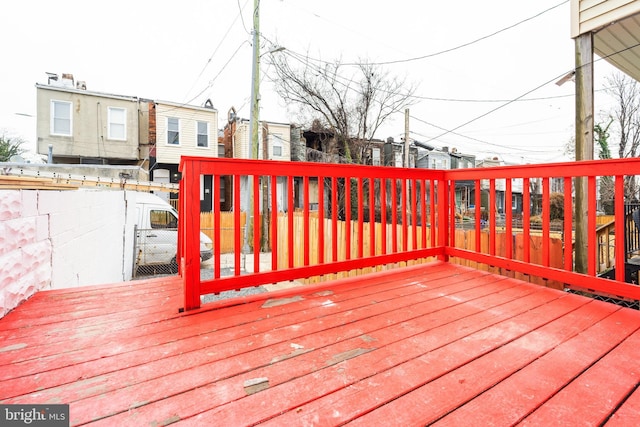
[173,51]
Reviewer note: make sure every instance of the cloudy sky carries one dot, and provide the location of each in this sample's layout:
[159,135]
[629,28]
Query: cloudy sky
[494,89]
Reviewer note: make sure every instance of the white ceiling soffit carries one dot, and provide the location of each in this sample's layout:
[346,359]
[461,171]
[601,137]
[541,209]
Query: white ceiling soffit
[619,44]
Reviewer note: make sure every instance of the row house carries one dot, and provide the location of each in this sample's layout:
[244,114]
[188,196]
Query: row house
[516,190]
[79,126]
[274,143]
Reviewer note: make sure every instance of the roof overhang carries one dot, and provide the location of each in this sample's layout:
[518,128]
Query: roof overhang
[615,26]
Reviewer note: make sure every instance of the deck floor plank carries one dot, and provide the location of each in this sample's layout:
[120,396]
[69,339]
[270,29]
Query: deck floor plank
[513,399]
[414,345]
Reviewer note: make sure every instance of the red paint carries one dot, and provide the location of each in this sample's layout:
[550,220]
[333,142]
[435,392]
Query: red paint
[412,190]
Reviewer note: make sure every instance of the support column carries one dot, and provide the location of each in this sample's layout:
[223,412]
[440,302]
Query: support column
[584,142]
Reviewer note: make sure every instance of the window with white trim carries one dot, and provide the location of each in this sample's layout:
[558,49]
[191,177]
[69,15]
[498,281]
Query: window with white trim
[61,119]
[203,134]
[276,143]
[117,120]
[173,131]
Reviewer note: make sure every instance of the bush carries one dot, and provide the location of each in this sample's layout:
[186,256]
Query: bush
[556,210]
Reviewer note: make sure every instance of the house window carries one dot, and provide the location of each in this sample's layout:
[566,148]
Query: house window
[514,202]
[173,131]
[116,118]
[376,156]
[61,118]
[223,186]
[203,134]
[276,143]
[221,150]
[277,148]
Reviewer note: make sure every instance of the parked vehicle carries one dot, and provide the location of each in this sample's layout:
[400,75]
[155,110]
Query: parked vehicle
[157,232]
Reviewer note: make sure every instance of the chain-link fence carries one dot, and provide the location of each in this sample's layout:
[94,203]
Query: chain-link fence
[634,304]
[155,252]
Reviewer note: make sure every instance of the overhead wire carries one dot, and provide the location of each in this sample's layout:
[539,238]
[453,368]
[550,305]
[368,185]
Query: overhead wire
[528,92]
[463,45]
[215,51]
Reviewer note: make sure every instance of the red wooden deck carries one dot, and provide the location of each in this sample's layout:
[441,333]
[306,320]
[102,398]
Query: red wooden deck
[426,344]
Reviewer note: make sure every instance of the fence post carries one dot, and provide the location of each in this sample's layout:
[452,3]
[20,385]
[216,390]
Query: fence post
[190,219]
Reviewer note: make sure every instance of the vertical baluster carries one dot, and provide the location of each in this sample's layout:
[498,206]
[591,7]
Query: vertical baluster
[274,222]
[320,220]
[568,225]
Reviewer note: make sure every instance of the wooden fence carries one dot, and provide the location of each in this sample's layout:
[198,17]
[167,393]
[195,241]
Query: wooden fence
[465,239]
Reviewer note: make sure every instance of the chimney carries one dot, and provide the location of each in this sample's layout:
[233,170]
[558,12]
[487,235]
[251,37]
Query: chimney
[50,77]
[67,80]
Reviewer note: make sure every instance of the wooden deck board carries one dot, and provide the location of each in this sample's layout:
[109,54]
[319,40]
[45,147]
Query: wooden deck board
[437,343]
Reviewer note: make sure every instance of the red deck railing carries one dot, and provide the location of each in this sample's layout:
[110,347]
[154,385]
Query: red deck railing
[372,216]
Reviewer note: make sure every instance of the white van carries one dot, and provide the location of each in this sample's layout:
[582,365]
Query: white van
[157,232]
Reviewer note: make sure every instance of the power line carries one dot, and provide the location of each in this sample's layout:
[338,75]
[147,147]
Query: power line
[219,72]
[527,93]
[224,37]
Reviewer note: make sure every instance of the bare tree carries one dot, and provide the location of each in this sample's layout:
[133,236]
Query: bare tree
[626,114]
[350,101]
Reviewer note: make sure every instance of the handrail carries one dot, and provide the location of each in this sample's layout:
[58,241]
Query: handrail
[374,215]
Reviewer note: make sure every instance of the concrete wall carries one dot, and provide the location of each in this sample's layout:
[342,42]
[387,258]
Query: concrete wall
[62,239]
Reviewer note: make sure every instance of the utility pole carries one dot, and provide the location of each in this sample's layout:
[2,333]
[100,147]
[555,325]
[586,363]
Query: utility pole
[253,120]
[406,138]
[406,161]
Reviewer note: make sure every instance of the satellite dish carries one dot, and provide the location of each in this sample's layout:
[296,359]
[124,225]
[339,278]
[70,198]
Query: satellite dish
[16,159]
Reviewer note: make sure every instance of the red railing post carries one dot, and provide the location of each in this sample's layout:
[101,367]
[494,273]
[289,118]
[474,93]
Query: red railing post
[508,237]
[492,217]
[238,230]
[347,216]
[216,226]
[619,227]
[443,220]
[372,217]
[526,221]
[334,219]
[274,222]
[568,225]
[305,217]
[191,223]
[290,213]
[360,249]
[383,215]
[591,225]
[320,220]
[546,218]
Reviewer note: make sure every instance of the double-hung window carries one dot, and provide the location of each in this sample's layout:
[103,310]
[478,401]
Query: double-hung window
[61,119]
[203,134]
[173,131]
[117,119]
[276,143]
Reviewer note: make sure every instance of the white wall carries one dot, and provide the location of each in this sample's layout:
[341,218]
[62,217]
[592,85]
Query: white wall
[62,239]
